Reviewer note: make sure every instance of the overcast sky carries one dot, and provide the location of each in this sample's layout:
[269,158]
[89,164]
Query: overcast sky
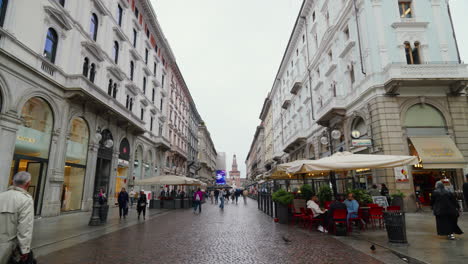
[229,52]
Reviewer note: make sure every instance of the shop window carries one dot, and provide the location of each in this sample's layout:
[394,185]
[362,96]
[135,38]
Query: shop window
[85,67]
[51,44]
[406,10]
[412,53]
[3,9]
[119,15]
[75,165]
[92,74]
[115,52]
[424,119]
[93,30]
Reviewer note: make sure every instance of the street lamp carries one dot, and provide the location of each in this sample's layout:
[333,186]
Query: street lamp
[326,139]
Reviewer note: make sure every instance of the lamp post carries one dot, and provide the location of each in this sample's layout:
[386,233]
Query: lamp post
[328,140]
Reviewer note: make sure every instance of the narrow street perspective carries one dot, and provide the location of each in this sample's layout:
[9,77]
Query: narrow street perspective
[233,131]
[237,234]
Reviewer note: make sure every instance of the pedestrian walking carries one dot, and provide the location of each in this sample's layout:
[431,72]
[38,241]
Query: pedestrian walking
[216,194]
[141,205]
[132,197]
[233,194]
[245,193]
[197,199]
[237,194]
[222,195]
[226,196]
[212,196]
[123,203]
[16,221]
[446,210]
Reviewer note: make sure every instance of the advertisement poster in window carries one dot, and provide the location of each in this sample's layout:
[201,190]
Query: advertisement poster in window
[401,174]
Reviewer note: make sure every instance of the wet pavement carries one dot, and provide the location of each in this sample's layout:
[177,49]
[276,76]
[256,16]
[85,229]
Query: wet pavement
[423,243]
[239,234]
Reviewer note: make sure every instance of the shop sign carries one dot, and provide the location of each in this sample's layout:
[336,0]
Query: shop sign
[361,142]
[401,174]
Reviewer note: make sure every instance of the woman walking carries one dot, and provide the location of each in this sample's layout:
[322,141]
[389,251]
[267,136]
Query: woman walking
[141,205]
[197,200]
[446,210]
[222,195]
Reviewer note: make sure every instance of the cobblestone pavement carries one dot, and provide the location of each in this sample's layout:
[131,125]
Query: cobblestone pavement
[239,234]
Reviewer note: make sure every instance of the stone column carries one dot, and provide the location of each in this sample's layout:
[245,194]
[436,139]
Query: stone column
[55,171]
[9,123]
[113,177]
[87,200]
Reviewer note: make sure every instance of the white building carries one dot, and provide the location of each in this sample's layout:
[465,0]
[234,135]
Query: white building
[84,91]
[207,155]
[388,69]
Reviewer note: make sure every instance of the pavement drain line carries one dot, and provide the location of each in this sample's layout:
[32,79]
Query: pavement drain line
[128,224]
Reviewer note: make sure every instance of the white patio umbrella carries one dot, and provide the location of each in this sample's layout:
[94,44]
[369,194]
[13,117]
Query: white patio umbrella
[164,180]
[344,161]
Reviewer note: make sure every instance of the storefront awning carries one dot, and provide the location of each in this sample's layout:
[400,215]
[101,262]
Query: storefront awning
[438,152]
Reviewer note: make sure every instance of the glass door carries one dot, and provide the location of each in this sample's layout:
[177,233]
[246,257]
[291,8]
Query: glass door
[36,168]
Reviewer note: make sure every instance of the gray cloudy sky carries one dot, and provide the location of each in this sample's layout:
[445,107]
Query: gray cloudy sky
[229,52]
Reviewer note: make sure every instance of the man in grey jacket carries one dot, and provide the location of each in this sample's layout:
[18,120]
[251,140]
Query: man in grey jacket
[16,219]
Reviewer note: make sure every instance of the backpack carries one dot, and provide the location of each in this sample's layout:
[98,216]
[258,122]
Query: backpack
[197,197]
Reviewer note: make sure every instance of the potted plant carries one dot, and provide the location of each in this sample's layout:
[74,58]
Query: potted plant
[325,194]
[362,196]
[283,199]
[397,199]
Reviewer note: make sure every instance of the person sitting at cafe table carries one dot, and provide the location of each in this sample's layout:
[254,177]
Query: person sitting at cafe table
[318,213]
[336,204]
[352,205]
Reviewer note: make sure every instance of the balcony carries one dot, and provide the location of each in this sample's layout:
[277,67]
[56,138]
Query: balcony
[449,74]
[296,140]
[333,107]
[286,102]
[296,87]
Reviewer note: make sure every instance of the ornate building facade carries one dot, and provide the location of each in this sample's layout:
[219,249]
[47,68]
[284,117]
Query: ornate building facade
[84,99]
[386,78]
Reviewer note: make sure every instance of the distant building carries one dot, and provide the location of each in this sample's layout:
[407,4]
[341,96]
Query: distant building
[221,161]
[234,174]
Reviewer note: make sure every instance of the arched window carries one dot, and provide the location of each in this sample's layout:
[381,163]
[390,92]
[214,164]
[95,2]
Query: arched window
[86,67]
[109,87]
[93,27]
[50,48]
[75,165]
[144,85]
[92,74]
[116,52]
[62,2]
[132,68]
[114,91]
[119,14]
[3,8]
[424,119]
[127,102]
[131,104]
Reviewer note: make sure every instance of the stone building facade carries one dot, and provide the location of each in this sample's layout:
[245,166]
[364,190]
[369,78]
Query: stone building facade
[207,155]
[84,91]
[386,77]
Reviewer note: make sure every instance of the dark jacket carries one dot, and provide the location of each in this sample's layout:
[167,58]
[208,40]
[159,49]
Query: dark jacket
[465,191]
[216,193]
[142,202]
[123,198]
[384,191]
[444,203]
[335,205]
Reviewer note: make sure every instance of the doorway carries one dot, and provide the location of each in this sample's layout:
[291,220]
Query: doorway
[37,168]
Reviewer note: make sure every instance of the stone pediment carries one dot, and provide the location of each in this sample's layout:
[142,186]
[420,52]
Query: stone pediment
[94,50]
[59,17]
[132,88]
[134,54]
[118,31]
[117,72]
